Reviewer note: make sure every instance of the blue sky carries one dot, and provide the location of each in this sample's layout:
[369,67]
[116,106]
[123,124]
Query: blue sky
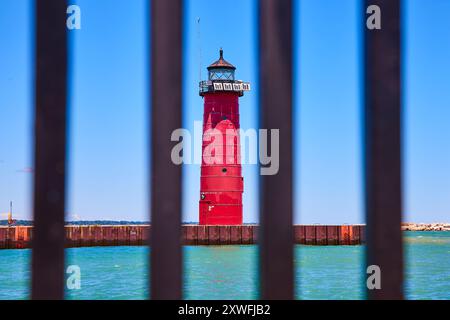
[109,119]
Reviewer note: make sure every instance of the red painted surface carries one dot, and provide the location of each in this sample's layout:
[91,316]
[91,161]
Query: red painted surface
[3,237]
[190,234]
[221,181]
[122,237]
[202,234]
[299,234]
[133,235]
[98,235]
[354,235]
[362,234]
[225,235]
[22,237]
[85,236]
[115,236]
[108,236]
[236,235]
[11,240]
[146,235]
[344,235]
[255,233]
[213,235]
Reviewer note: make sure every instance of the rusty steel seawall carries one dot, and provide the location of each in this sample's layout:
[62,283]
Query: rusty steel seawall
[19,237]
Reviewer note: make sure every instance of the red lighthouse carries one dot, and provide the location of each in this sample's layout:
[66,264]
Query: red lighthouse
[221,181]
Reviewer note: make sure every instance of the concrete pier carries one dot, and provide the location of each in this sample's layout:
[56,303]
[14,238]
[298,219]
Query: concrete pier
[19,237]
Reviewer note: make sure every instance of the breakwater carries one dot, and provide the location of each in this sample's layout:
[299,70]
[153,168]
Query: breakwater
[19,237]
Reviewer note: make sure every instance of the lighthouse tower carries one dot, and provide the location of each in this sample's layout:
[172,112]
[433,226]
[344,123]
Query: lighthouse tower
[221,181]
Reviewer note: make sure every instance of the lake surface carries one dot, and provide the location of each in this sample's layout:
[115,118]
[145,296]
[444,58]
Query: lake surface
[230,272]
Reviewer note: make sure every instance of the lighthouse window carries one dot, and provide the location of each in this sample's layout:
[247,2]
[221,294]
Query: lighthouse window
[224,170]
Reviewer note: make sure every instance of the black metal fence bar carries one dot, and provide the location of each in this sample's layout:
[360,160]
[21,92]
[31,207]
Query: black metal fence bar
[166,71]
[383,150]
[50,150]
[275,52]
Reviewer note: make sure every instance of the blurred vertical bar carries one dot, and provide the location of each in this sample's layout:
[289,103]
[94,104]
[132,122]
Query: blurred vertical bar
[166,71]
[275,51]
[383,150]
[50,150]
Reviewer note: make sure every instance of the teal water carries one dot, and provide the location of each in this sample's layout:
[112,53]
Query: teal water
[230,272]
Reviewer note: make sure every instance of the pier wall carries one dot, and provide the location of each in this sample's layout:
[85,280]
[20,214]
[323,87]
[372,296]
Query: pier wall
[19,237]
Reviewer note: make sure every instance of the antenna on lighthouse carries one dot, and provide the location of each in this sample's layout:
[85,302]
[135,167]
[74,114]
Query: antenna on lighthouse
[199,50]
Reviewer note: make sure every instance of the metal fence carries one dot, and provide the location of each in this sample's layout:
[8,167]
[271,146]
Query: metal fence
[382,149]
